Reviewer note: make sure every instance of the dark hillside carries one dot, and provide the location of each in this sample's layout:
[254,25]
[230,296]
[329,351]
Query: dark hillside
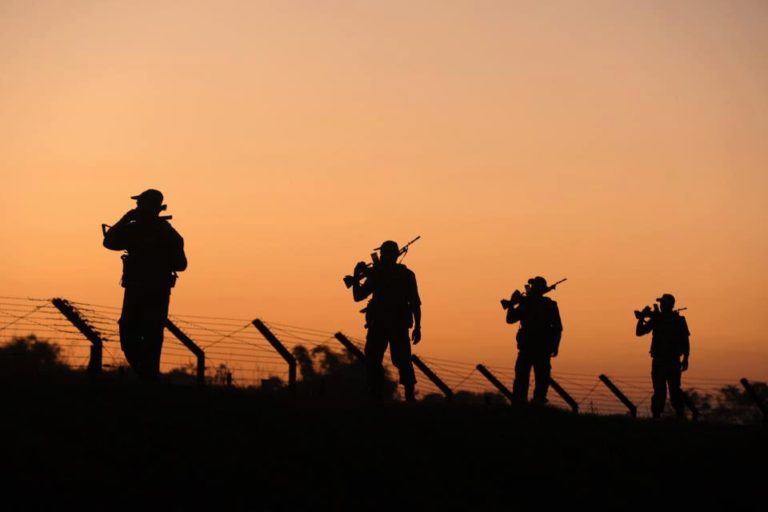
[70,442]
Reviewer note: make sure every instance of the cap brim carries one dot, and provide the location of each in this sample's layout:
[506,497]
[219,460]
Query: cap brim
[135,197]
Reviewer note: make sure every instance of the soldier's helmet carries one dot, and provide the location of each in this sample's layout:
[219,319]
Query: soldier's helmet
[665,299]
[389,250]
[538,284]
[150,198]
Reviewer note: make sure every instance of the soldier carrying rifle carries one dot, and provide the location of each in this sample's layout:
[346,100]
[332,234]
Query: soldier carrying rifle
[670,342]
[154,253]
[393,309]
[538,338]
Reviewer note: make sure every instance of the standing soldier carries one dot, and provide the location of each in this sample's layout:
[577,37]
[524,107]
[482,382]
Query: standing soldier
[394,308]
[538,338]
[670,342]
[154,253]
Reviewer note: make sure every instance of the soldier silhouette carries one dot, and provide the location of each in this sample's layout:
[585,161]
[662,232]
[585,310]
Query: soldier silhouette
[670,342]
[154,253]
[538,338]
[394,308]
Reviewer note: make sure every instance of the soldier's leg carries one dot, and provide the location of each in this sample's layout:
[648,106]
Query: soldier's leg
[522,376]
[400,352]
[375,346]
[675,390]
[156,315]
[659,380]
[130,329]
[542,367]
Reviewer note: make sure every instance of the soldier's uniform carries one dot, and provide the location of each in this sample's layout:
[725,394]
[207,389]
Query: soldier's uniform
[537,340]
[670,342]
[155,252]
[389,316]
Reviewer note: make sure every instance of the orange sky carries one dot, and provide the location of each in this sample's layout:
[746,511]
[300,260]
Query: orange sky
[619,144]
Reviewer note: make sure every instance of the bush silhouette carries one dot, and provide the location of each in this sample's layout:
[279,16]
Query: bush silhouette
[327,373]
[730,404]
[30,356]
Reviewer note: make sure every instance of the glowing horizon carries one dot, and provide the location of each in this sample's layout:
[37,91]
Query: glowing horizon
[620,146]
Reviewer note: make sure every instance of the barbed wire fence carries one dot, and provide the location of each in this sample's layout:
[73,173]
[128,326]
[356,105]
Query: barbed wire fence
[236,353]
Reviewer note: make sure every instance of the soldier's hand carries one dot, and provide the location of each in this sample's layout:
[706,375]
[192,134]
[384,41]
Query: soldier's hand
[684,365]
[416,335]
[360,267]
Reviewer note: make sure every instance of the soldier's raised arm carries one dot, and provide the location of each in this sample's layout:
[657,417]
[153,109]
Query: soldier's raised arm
[513,314]
[361,291]
[642,328]
[116,237]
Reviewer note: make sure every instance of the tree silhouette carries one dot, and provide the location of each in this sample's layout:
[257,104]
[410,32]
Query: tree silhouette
[730,404]
[26,356]
[327,373]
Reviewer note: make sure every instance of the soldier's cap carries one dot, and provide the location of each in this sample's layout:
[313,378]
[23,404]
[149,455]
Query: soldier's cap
[389,246]
[667,297]
[538,283]
[150,196]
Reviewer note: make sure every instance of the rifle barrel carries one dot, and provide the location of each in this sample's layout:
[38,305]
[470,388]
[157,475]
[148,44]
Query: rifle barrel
[405,247]
[557,283]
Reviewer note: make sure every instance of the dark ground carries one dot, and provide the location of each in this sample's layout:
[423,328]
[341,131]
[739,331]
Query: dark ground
[106,444]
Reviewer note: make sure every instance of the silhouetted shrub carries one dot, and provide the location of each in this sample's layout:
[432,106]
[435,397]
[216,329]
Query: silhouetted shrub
[325,372]
[30,356]
[185,374]
[730,404]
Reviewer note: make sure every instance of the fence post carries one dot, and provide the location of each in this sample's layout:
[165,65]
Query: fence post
[192,346]
[437,381]
[277,345]
[351,347]
[82,325]
[755,398]
[564,395]
[621,396]
[496,382]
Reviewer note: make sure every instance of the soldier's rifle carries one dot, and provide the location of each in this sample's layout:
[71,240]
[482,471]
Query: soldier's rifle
[360,272]
[519,296]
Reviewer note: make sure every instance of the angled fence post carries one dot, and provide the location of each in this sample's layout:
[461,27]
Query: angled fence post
[621,396]
[82,325]
[351,347]
[437,381]
[280,348]
[192,346]
[496,382]
[564,395]
[755,398]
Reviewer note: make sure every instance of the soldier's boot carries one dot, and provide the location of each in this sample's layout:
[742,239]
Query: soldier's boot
[410,392]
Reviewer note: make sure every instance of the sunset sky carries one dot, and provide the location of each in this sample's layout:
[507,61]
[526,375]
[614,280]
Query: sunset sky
[620,144]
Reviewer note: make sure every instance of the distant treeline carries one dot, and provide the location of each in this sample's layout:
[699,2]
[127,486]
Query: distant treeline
[330,374]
